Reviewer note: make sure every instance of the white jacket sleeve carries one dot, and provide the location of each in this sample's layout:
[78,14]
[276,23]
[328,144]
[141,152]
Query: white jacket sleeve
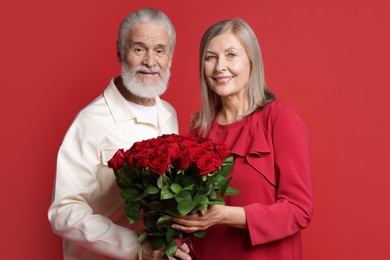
[83,206]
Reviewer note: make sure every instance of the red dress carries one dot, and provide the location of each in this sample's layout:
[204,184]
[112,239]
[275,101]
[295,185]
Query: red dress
[272,171]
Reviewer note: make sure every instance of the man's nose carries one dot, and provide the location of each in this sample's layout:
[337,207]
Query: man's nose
[149,59]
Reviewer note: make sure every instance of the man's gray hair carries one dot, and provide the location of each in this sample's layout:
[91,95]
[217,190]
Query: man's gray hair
[144,15]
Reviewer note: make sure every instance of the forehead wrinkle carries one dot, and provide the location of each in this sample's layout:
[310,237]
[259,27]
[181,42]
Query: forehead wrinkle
[149,34]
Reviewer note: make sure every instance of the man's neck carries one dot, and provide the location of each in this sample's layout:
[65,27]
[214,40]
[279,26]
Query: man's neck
[130,96]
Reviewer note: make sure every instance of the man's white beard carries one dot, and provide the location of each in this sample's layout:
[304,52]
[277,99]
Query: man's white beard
[145,89]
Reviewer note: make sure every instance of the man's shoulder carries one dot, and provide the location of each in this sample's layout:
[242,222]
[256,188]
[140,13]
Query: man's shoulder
[94,112]
[167,105]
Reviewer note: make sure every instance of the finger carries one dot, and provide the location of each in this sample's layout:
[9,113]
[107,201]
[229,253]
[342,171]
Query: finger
[185,248]
[184,228]
[202,212]
[182,255]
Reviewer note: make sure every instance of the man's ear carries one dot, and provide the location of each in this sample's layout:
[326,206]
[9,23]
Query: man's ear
[118,53]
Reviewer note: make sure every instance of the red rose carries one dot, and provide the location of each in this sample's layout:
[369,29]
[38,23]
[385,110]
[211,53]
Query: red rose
[130,157]
[207,146]
[172,138]
[143,159]
[174,150]
[195,153]
[160,165]
[208,163]
[221,149]
[118,160]
[155,143]
[183,160]
[189,142]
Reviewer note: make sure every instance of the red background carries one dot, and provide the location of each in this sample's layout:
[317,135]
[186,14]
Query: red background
[328,59]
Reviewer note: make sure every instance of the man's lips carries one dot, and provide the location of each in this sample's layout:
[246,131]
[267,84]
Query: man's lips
[148,73]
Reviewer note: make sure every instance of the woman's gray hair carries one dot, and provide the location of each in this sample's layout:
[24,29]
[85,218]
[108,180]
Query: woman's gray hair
[256,89]
[144,15]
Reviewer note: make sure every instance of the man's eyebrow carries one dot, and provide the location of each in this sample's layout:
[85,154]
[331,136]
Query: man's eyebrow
[136,43]
[161,45]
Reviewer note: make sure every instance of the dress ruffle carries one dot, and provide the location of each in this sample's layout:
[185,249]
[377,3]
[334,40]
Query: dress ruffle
[247,139]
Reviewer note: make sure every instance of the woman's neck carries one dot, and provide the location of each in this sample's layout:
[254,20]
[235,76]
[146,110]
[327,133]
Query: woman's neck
[231,111]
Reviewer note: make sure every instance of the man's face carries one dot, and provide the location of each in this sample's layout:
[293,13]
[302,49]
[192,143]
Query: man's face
[147,59]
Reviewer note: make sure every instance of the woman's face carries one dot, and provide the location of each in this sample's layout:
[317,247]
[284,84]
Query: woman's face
[227,66]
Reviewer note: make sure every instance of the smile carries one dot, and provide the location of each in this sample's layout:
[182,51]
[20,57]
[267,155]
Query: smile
[223,80]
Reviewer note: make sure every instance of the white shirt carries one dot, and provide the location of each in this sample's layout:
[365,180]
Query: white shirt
[87,209]
[149,112]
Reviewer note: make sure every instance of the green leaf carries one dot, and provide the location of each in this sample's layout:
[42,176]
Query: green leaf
[128,175]
[130,195]
[171,248]
[150,222]
[227,166]
[201,199]
[164,220]
[188,180]
[150,190]
[183,196]
[202,206]
[142,237]
[224,186]
[231,191]
[219,181]
[172,211]
[166,193]
[132,211]
[160,182]
[186,206]
[199,233]
[217,201]
[176,187]
[189,187]
[170,233]
[155,206]
[213,195]
[158,242]
[207,189]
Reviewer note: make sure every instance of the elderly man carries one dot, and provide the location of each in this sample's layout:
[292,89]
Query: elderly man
[87,210]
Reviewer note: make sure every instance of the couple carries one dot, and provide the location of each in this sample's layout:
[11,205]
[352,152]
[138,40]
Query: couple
[266,137]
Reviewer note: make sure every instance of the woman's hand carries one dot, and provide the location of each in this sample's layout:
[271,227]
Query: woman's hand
[148,253]
[216,214]
[201,220]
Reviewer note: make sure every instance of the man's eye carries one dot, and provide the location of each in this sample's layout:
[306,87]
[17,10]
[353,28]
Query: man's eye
[160,52]
[139,50]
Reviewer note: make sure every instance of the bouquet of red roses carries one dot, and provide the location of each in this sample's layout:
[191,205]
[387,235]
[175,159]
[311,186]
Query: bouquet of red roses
[171,175]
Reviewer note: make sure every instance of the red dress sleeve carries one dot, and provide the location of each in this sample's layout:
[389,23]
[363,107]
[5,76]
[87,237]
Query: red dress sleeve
[292,209]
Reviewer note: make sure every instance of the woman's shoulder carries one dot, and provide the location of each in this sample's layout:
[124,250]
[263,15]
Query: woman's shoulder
[272,109]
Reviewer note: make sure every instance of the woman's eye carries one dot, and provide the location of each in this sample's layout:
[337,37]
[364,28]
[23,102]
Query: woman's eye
[231,55]
[210,58]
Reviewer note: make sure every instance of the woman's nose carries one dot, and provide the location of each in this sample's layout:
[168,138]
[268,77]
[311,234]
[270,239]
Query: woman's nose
[221,65]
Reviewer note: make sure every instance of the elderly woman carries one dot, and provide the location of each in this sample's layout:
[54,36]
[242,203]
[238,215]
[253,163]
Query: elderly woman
[271,155]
